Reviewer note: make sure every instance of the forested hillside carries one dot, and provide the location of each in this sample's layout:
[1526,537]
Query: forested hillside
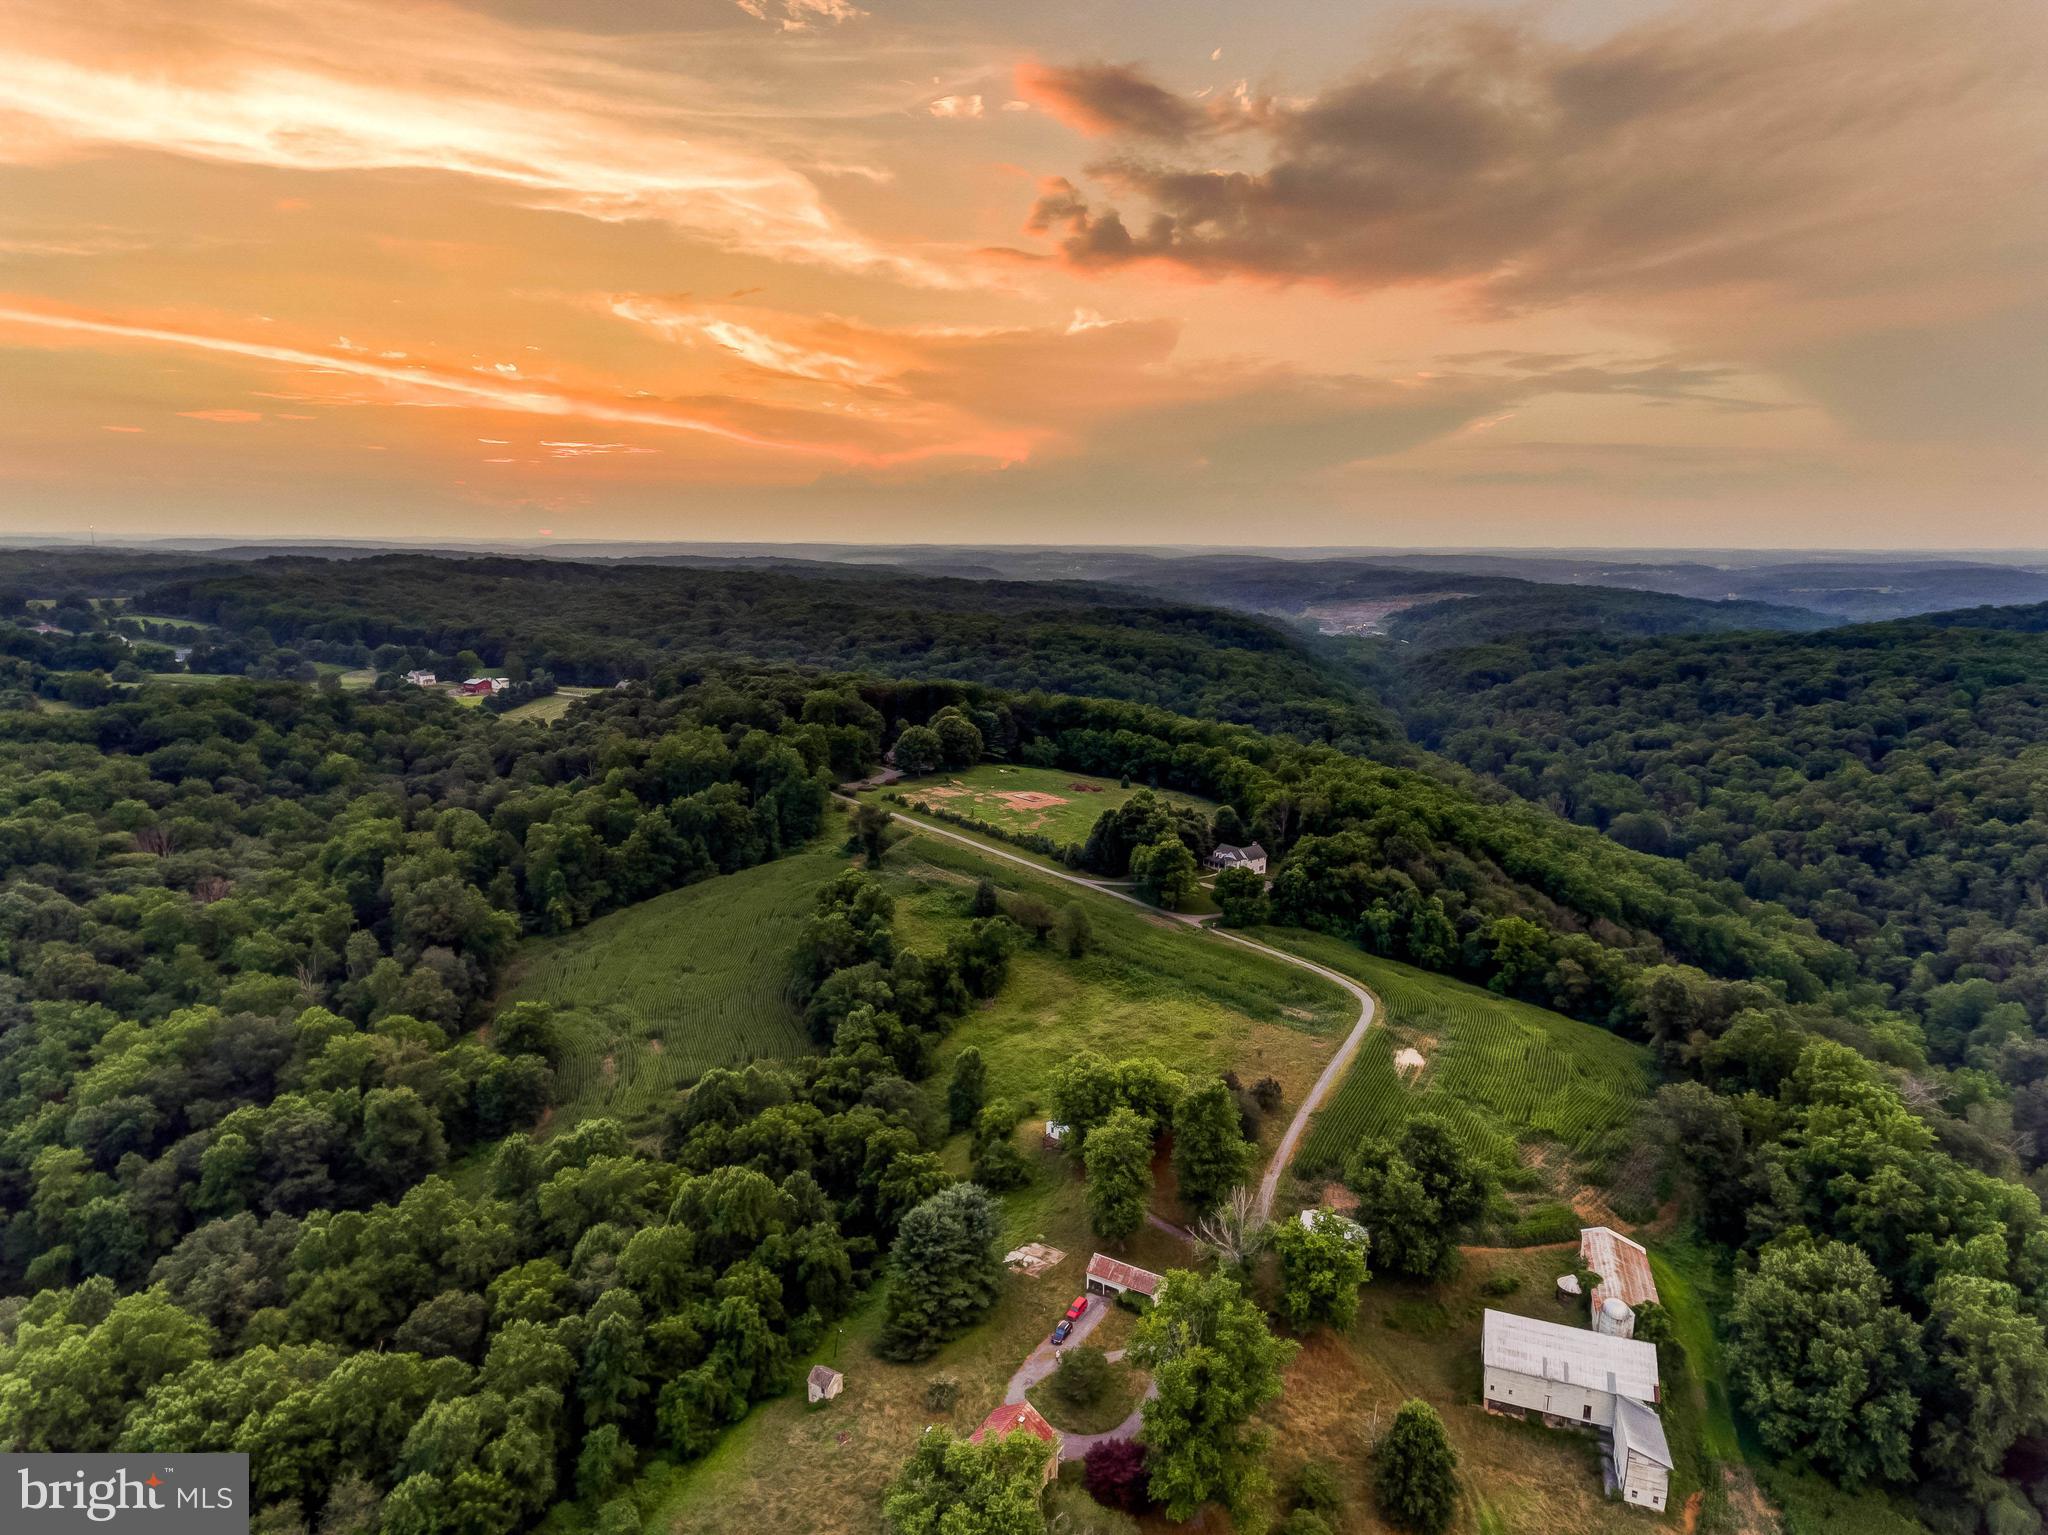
[267,1144]
[594,624]
[1890,782]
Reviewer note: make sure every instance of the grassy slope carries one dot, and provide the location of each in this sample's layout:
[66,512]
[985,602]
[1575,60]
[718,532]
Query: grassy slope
[1502,1072]
[550,707]
[1146,987]
[695,978]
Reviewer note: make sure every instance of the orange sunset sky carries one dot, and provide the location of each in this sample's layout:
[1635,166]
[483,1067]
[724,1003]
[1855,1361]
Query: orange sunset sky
[1300,272]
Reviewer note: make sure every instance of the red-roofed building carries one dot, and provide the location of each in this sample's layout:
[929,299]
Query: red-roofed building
[1112,1276]
[1012,1416]
[1623,1267]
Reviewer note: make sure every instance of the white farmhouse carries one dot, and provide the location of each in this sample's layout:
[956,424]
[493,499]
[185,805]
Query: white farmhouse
[1574,1378]
[1230,856]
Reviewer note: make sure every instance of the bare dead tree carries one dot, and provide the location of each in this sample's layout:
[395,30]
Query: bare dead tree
[1234,1231]
[157,841]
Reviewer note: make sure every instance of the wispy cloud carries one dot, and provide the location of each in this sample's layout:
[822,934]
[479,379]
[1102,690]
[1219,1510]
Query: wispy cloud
[417,384]
[747,343]
[343,88]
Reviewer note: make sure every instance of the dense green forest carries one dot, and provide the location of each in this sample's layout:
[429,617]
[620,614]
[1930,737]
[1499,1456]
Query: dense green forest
[1889,782]
[591,624]
[264,1146]
[268,1186]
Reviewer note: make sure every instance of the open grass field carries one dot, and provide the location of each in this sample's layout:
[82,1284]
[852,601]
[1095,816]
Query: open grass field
[550,708]
[1147,986]
[1503,1073]
[659,992]
[1044,801]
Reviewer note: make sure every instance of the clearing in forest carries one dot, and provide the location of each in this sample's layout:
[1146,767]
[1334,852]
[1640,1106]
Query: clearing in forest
[670,987]
[1050,802]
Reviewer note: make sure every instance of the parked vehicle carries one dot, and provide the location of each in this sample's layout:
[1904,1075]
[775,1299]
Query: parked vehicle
[1059,1333]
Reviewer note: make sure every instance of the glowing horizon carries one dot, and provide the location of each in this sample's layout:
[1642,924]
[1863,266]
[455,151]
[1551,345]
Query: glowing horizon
[802,271]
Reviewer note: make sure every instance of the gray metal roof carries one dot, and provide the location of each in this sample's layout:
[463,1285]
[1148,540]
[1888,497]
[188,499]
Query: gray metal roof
[1639,1431]
[1620,1366]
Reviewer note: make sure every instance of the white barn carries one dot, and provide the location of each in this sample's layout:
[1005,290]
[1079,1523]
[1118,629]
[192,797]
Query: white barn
[1567,1374]
[1638,1459]
[1578,1379]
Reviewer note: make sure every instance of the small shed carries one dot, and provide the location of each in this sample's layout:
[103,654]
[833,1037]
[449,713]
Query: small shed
[1113,1276]
[825,1383]
[1638,1460]
[1021,1417]
[1056,1133]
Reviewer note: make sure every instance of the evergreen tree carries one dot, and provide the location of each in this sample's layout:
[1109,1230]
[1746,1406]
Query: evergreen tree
[968,1089]
[946,1271]
[1415,1471]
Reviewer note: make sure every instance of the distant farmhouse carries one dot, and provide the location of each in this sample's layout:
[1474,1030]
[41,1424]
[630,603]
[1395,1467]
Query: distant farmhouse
[1013,1416]
[1227,856]
[1572,1378]
[421,679]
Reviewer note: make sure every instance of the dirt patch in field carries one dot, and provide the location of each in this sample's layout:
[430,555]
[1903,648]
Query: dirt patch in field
[1592,1207]
[1086,788]
[1409,1063]
[940,792]
[1030,799]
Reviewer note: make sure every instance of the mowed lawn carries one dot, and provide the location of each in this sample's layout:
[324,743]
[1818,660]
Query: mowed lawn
[1503,1073]
[659,992]
[1022,800]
